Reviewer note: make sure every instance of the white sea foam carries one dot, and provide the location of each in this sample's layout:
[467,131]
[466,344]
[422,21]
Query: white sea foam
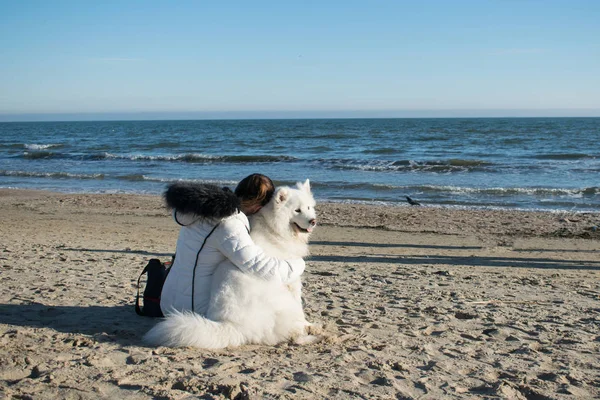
[34,174]
[34,146]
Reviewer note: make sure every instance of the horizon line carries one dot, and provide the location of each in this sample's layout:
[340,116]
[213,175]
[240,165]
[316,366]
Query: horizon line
[296,114]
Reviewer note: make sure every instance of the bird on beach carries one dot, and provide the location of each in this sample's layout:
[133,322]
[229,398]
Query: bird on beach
[412,202]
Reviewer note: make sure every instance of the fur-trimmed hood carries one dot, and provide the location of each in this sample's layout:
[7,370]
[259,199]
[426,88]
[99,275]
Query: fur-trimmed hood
[202,199]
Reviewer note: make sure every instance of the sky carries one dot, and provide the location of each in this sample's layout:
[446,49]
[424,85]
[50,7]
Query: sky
[160,59]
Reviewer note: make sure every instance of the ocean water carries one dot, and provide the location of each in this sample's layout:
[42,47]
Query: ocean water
[515,163]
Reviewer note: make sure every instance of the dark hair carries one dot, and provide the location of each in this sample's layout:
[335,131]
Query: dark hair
[255,190]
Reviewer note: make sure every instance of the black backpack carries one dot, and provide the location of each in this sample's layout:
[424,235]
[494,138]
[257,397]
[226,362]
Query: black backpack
[157,274]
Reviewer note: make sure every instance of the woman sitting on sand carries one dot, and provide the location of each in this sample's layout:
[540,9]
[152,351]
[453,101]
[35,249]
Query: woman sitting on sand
[210,220]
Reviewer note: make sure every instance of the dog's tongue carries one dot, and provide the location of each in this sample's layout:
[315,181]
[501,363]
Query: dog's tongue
[309,229]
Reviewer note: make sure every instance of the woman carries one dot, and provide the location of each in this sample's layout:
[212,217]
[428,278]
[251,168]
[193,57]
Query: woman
[213,229]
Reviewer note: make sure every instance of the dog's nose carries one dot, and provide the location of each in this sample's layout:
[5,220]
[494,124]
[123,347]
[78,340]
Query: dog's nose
[312,222]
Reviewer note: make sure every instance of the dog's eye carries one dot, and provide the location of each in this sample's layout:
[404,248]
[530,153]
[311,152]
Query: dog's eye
[298,210]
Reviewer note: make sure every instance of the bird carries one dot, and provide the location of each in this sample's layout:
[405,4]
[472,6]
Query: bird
[412,202]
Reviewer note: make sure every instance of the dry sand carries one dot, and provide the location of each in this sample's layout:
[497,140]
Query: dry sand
[419,303]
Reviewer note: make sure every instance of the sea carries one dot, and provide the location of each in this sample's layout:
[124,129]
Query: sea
[507,163]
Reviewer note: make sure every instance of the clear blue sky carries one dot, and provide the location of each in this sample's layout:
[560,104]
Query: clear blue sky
[263,58]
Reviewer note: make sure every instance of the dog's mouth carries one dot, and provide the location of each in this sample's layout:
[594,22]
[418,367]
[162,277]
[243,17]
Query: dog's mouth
[298,228]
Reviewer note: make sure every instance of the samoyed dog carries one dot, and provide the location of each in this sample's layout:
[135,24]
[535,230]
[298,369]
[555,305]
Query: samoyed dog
[245,309]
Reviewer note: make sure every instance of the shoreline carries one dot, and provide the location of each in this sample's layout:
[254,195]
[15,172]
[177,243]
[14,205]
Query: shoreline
[416,301]
[368,203]
[401,218]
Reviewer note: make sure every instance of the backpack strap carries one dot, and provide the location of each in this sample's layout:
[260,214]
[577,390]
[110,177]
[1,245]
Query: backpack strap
[196,263]
[138,310]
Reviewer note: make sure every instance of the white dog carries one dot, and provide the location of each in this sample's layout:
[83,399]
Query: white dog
[247,309]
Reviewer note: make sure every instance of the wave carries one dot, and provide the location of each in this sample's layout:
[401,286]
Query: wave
[133,177]
[30,146]
[188,157]
[43,154]
[320,149]
[35,155]
[334,136]
[347,186]
[52,175]
[205,158]
[563,156]
[434,137]
[456,190]
[126,177]
[591,191]
[383,150]
[161,145]
[144,178]
[34,146]
[513,141]
[427,190]
[450,165]
[509,191]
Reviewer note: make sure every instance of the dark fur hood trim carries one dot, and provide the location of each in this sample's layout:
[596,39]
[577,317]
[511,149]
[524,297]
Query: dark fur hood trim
[202,199]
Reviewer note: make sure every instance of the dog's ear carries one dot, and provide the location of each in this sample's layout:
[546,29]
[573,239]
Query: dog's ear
[281,195]
[304,186]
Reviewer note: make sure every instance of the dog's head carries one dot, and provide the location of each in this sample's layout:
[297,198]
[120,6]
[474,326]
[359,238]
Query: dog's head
[299,206]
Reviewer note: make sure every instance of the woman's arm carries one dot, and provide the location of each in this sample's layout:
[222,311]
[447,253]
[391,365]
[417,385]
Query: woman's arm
[237,245]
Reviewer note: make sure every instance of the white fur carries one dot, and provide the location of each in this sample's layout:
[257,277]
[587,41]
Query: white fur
[244,308]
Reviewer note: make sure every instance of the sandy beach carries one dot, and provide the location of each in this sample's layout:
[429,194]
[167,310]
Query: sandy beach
[417,303]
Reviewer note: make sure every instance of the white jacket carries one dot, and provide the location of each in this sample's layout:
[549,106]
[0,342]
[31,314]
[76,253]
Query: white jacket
[231,240]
